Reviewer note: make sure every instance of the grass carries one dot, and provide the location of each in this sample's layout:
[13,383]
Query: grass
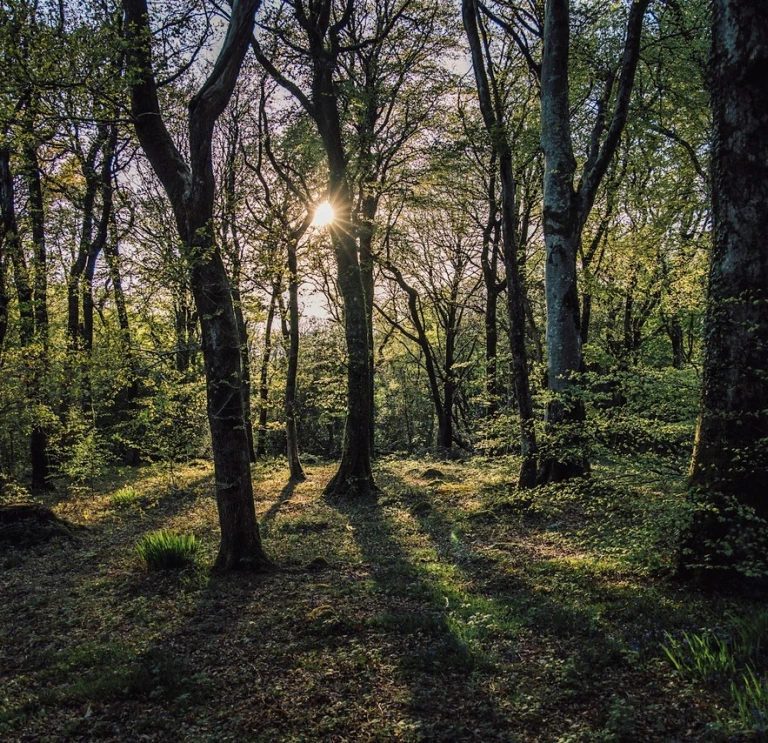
[452,609]
[125,497]
[166,550]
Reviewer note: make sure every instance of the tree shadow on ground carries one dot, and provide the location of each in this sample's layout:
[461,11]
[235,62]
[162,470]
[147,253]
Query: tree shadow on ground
[444,672]
[285,495]
[583,638]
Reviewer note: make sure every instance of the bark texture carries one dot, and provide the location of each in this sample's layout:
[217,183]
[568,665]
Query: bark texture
[566,209]
[190,189]
[730,460]
[493,117]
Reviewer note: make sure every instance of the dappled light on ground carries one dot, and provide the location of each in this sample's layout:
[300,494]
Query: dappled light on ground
[450,609]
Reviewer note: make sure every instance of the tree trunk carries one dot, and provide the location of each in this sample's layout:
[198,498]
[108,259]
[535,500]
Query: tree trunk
[245,365]
[29,312]
[491,108]
[291,432]
[561,236]
[730,459]
[368,213]
[3,301]
[191,191]
[675,332]
[39,434]
[355,474]
[126,397]
[489,260]
[261,442]
[586,317]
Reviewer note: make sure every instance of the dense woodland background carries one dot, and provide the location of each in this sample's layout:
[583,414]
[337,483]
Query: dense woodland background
[519,280]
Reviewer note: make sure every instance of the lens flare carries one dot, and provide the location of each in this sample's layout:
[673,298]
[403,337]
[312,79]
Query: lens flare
[323,215]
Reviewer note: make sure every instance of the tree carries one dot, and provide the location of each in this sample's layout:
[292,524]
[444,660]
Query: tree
[190,188]
[493,117]
[566,208]
[321,28]
[438,275]
[730,460]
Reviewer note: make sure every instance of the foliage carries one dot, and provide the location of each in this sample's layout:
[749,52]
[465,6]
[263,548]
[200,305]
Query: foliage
[167,550]
[125,497]
[734,660]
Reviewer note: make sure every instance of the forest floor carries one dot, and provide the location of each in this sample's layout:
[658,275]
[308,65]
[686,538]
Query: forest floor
[452,609]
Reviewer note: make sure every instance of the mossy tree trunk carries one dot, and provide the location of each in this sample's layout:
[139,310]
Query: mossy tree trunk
[730,461]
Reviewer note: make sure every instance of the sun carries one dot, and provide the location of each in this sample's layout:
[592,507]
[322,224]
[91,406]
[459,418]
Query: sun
[323,215]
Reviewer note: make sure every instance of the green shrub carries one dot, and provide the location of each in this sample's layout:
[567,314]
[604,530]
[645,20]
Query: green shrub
[125,496]
[165,550]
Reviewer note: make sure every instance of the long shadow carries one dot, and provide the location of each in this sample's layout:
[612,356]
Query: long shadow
[285,495]
[440,669]
[593,635]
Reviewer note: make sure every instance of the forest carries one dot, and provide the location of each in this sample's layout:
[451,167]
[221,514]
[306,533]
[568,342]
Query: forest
[384,370]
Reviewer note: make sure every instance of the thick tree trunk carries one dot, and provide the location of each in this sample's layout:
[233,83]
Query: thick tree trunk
[561,236]
[565,212]
[730,460]
[240,543]
[355,474]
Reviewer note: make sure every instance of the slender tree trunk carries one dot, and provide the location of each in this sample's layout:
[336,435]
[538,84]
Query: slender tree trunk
[245,364]
[261,442]
[368,212]
[291,432]
[490,105]
[586,317]
[127,396]
[13,248]
[489,261]
[3,300]
[730,459]
[675,332]
[39,368]
[32,306]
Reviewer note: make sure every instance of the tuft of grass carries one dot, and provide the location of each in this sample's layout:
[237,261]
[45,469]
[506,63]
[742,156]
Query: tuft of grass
[703,657]
[750,699]
[735,662]
[166,550]
[125,497]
